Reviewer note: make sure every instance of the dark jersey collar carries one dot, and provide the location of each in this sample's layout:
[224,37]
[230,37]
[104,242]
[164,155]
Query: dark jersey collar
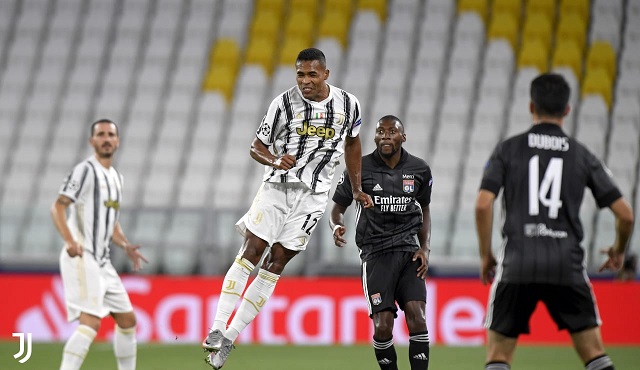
[380,162]
[547,128]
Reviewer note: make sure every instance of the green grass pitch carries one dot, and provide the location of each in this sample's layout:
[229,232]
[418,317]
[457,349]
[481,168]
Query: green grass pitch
[247,357]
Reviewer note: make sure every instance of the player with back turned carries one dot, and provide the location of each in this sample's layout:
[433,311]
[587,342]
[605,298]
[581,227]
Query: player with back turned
[543,174]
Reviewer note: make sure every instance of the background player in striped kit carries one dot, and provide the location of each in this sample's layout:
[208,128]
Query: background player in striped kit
[93,289]
[544,174]
[307,128]
[393,237]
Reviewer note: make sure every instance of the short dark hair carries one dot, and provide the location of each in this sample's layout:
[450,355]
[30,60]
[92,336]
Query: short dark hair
[391,117]
[102,120]
[550,95]
[312,54]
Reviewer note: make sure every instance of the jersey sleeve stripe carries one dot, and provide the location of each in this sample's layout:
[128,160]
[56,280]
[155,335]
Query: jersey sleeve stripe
[96,210]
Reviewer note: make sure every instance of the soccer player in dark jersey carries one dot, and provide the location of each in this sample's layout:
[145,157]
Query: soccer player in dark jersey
[393,239]
[543,174]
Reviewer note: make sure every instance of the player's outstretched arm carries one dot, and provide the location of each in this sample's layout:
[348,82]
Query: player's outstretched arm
[353,159]
[59,216]
[624,228]
[132,250]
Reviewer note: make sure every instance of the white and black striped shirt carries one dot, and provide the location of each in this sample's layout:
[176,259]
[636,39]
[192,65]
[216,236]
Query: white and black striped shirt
[96,193]
[313,132]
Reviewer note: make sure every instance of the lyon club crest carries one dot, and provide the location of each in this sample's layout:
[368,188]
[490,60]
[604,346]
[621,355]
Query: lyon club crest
[408,186]
[376,299]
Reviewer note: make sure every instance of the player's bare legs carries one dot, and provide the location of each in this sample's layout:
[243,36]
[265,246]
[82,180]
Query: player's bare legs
[588,343]
[253,247]
[124,340]
[415,316]
[500,348]
[383,340]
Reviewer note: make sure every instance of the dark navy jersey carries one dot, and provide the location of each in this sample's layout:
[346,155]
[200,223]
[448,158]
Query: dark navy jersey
[398,194]
[544,174]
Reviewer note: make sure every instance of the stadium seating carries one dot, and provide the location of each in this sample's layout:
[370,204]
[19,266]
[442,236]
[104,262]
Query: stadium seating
[188,82]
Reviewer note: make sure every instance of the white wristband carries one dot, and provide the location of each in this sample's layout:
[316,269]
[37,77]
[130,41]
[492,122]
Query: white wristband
[335,227]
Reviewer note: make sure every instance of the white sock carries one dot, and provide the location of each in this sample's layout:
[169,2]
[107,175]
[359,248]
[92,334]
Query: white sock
[77,347]
[234,283]
[254,299]
[125,347]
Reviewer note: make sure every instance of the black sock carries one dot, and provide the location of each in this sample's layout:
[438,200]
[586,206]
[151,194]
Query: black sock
[600,363]
[497,366]
[419,350]
[386,354]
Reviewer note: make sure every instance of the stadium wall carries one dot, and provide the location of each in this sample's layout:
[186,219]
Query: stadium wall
[303,311]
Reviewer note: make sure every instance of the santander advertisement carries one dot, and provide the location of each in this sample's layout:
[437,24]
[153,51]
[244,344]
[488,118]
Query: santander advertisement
[307,311]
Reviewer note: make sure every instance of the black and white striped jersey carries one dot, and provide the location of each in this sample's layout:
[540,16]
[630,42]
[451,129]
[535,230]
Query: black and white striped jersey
[96,193]
[543,174]
[313,132]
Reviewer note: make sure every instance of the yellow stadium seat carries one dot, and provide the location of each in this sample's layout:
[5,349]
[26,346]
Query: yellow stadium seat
[265,24]
[274,6]
[572,27]
[290,50]
[479,6]
[300,25]
[261,51]
[311,6]
[335,23]
[602,55]
[538,26]
[225,51]
[504,26]
[378,6]
[580,7]
[342,6]
[513,7]
[547,7]
[568,54]
[597,81]
[221,78]
[533,54]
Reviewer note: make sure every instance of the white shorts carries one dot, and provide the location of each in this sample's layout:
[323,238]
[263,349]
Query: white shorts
[90,288]
[284,213]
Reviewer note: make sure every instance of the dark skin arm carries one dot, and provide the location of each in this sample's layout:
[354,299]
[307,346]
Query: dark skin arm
[353,159]
[424,237]
[624,228]
[337,218]
[484,223]
[261,154]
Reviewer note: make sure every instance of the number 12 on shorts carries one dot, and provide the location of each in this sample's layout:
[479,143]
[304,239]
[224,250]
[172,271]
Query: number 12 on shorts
[308,226]
[546,191]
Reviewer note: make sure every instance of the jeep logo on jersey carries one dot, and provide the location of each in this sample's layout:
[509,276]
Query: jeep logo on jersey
[311,130]
[112,204]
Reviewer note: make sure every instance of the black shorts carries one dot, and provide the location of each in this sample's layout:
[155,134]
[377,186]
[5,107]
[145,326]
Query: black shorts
[511,306]
[390,278]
